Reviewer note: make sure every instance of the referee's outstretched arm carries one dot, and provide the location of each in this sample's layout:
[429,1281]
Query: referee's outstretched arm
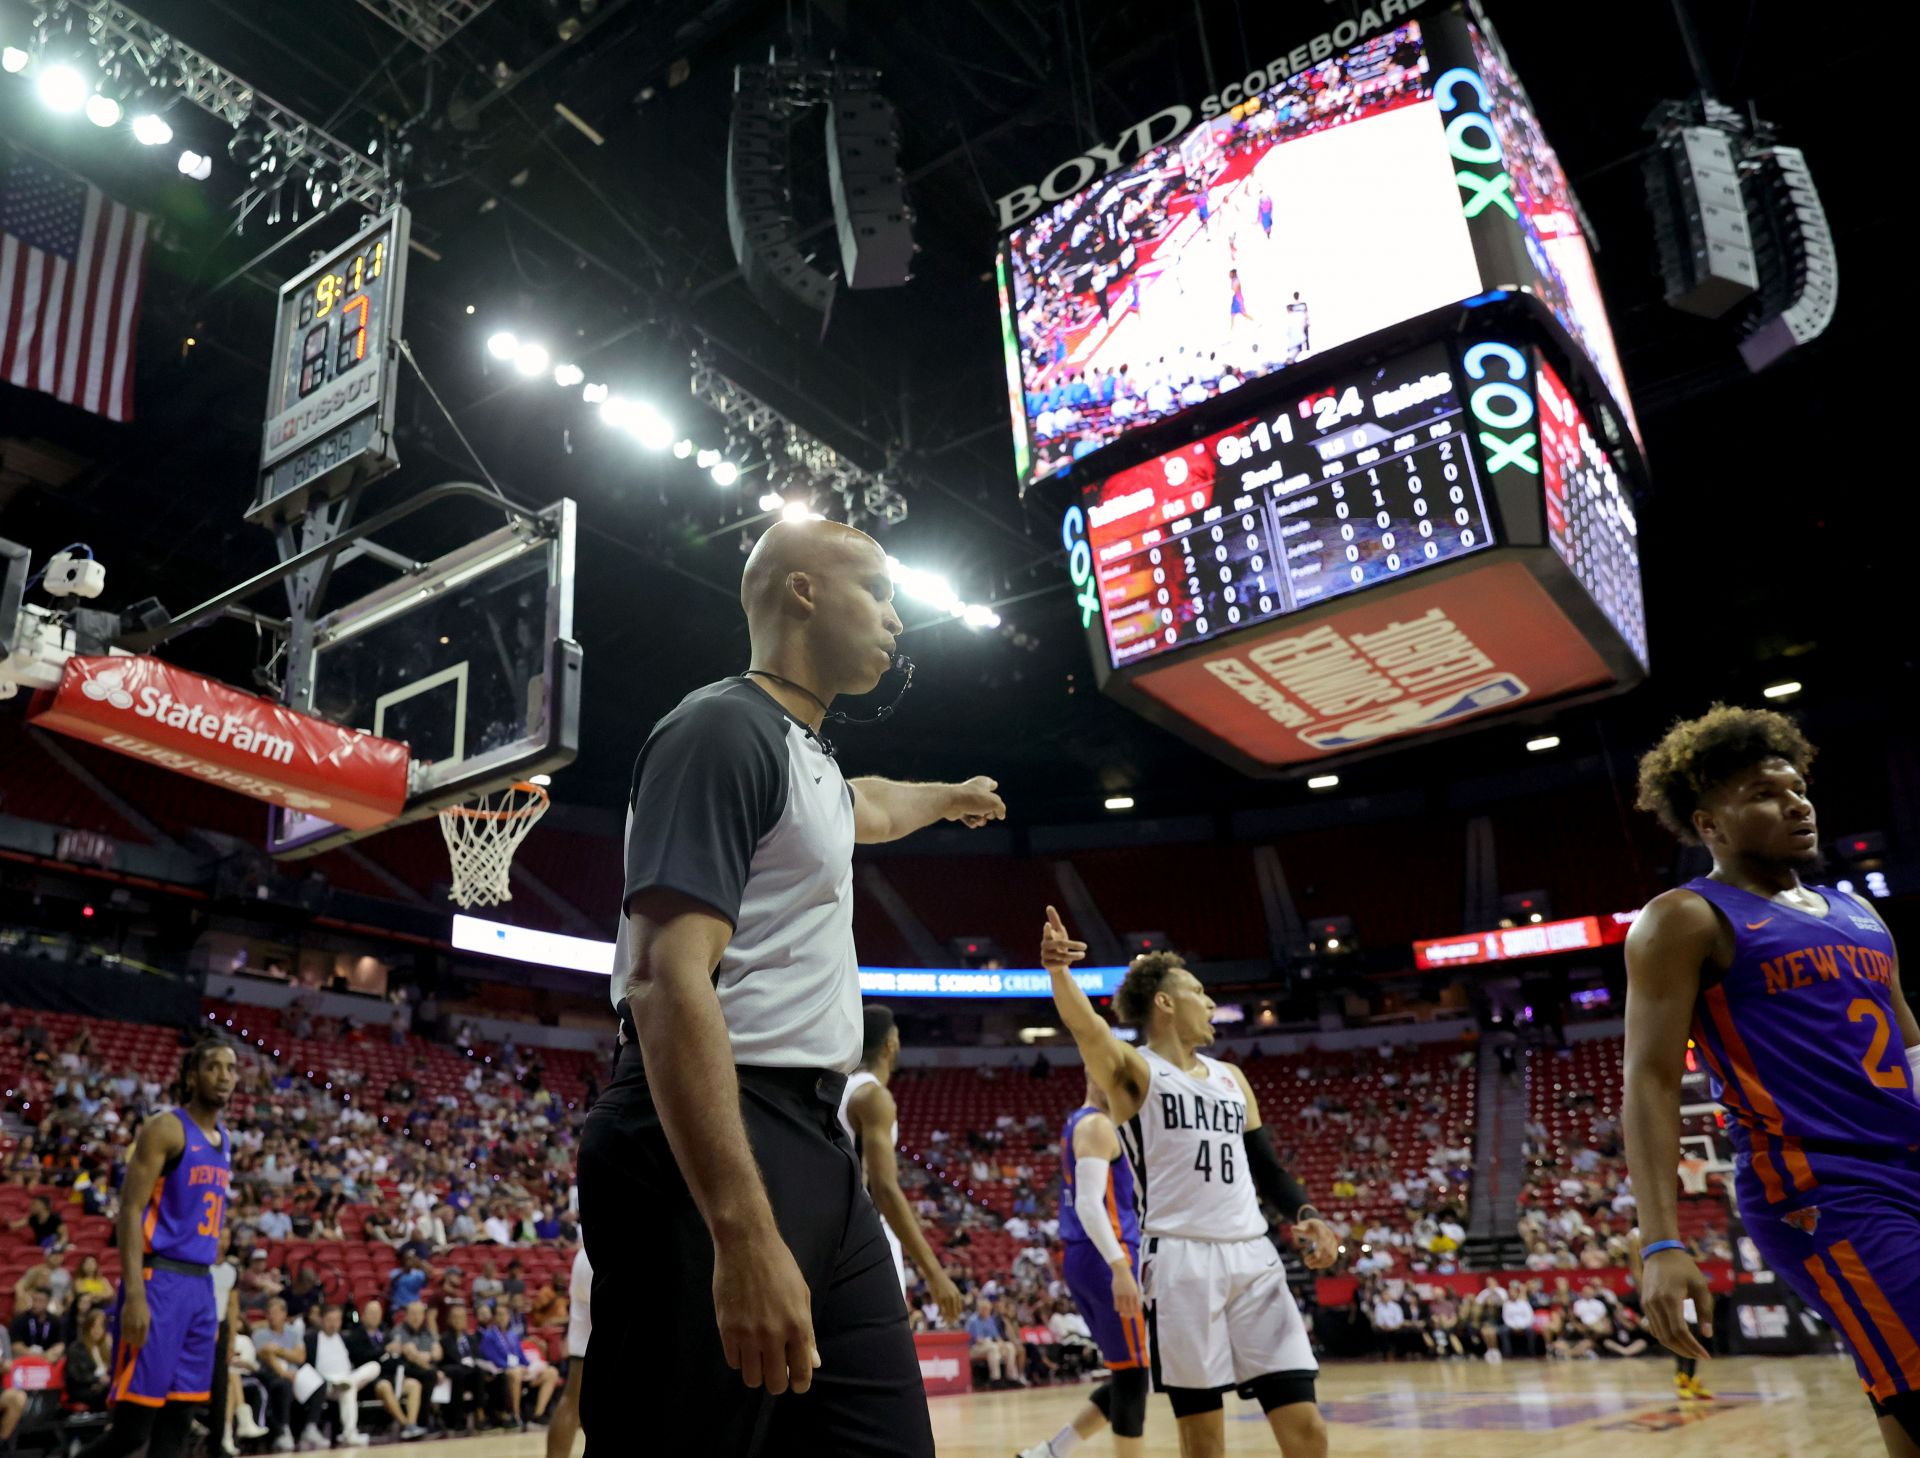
[760,1298]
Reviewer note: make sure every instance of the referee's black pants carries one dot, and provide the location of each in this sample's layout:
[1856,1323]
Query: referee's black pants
[661,1379]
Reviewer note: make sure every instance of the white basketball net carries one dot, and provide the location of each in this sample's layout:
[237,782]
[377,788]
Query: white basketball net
[482,837]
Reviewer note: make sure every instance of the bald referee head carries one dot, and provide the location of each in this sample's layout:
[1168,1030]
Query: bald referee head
[714,1172]
[819,604]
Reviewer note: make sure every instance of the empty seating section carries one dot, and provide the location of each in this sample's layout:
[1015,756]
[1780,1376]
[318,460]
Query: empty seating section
[1204,897]
[38,787]
[1588,853]
[1399,881]
[967,896]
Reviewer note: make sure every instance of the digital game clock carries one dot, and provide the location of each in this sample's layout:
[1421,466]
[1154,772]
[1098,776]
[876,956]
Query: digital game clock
[330,395]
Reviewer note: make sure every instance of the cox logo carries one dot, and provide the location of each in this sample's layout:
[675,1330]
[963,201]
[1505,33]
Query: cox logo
[1073,536]
[1502,407]
[1472,140]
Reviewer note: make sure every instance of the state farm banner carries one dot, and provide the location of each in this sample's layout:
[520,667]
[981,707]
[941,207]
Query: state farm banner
[192,725]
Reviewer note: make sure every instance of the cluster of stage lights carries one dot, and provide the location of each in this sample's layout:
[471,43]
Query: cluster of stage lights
[654,431]
[65,91]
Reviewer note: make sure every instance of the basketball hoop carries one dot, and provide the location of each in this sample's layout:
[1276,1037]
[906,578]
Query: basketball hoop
[482,837]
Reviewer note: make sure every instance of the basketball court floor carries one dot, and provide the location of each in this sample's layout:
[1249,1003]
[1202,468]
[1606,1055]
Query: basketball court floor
[1774,1407]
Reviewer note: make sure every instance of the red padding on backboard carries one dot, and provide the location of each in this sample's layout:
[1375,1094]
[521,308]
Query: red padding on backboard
[146,709]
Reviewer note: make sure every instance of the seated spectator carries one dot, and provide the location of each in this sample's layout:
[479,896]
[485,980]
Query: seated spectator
[462,1365]
[991,1343]
[90,1364]
[406,1281]
[279,1348]
[301,1297]
[500,1346]
[88,1281]
[1517,1336]
[1628,1338]
[47,1227]
[259,1283]
[487,1286]
[13,1400]
[37,1329]
[547,1307]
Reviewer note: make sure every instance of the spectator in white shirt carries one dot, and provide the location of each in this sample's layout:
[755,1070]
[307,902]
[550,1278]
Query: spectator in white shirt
[1518,1338]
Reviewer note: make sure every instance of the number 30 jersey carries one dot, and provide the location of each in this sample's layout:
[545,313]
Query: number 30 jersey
[1188,1159]
[189,1203]
[1801,1041]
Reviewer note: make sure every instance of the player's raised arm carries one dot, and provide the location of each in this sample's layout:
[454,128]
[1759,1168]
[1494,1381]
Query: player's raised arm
[1116,1067]
[1670,942]
[160,1139]
[1319,1246]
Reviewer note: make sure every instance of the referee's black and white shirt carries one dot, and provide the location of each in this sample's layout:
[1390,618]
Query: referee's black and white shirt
[740,806]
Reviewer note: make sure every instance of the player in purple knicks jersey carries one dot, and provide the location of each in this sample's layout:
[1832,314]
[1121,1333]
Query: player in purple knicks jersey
[173,1204]
[1100,1230]
[1791,992]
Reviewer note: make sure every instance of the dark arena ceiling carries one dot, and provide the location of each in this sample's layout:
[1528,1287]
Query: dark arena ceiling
[1768,548]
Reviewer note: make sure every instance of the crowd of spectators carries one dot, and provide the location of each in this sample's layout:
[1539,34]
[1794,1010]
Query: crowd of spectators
[1409,1320]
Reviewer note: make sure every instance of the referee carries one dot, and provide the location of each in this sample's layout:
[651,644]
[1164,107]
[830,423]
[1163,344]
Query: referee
[747,1300]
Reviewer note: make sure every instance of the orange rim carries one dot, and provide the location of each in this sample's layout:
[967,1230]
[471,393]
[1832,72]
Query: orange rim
[520,813]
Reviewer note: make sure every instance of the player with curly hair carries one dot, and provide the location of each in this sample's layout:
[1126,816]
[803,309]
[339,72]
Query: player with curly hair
[1791,992]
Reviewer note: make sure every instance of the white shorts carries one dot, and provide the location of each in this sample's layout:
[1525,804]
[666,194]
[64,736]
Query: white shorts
[579,1305]
[899,1254]
[1220,1313]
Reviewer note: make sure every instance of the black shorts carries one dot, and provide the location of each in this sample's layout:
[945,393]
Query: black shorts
[653,1286]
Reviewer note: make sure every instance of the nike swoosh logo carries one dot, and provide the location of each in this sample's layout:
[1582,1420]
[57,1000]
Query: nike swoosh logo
[1756,925]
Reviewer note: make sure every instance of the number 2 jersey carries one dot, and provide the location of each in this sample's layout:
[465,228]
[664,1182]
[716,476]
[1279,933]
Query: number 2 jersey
[1800,1040]
[189,1202]
[1189,1164]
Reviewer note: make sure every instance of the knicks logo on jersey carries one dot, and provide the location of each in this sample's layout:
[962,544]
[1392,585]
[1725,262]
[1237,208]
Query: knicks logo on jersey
[1804,1220]
[1191,1111]
[1811,966]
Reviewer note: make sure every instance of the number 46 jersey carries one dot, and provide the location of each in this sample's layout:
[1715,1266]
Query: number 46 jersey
[1190,1165]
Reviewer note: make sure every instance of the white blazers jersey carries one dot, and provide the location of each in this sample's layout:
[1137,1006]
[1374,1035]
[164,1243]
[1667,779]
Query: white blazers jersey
[856,1082]
[1189,1163]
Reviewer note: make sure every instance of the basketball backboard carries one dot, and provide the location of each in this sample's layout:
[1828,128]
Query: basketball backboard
[470,659]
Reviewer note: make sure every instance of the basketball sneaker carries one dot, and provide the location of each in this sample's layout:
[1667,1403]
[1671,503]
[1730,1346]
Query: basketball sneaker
[1699,1388]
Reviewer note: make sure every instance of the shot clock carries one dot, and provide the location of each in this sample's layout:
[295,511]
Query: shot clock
[330,398]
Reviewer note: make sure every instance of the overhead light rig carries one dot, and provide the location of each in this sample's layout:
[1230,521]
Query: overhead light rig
[153,67]
[429,24]
[800,466]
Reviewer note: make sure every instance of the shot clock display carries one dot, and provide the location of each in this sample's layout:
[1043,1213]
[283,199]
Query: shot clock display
[335,311]
[1366,480]
[330,395]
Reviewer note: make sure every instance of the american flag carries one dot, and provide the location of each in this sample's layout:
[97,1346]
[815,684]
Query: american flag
[71,264]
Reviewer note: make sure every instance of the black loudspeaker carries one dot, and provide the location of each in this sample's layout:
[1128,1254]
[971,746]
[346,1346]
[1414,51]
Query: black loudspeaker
[869,192]
[760,217]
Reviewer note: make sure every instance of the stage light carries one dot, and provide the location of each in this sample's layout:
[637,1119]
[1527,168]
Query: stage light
[502,345]
[796,511]
[1545,741]
[620,412]
[1536,919]
[683,448]
[594,394]
[196,165]
[151,131]
[469,308]
[566,376]
[13,60]
[1780,690]
[772,501]
[1323,782]
[653,432]
[707,460]
[530,360]
[63,89]
[102,111]
[725,473]
[1333,944]
[979,615]
[86,911]
[1119,802]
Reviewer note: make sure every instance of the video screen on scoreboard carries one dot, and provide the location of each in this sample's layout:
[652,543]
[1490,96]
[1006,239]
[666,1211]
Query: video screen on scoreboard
[1550,224]
[1366,480]
[1323,209]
